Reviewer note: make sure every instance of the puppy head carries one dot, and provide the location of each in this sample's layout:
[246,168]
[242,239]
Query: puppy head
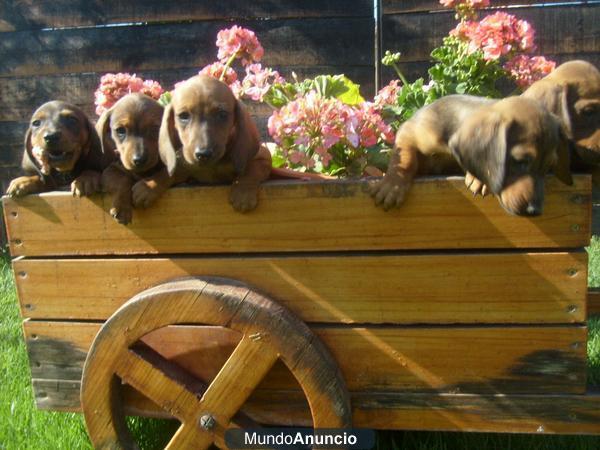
[572,92]
[510,146]
[130,128]
[205,122]
[59,134]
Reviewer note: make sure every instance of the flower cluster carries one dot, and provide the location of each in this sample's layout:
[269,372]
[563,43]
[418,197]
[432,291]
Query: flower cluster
[499,34]
[238,42]
[526,70]
[257,82]
[313,132]
[388,95]
[465,9]
[114,86]
[221,72]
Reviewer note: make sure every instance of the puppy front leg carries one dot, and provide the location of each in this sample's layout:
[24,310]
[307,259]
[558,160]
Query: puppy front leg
[147,191]
[244,191]
[392,189]
[118,184]
[88,183]
[26,185]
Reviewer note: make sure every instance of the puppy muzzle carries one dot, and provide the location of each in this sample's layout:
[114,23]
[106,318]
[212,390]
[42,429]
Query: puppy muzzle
[204,154]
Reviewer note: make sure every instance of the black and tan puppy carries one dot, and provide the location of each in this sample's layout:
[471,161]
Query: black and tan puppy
[572,92]
[208,136]
[130,130]
[61,149]
[510,145]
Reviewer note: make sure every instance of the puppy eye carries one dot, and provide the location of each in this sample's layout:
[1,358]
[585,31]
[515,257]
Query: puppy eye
[184,116]
[121,132]
[70,121]
[222,115]
[522,163]
[589,111]
[36,123]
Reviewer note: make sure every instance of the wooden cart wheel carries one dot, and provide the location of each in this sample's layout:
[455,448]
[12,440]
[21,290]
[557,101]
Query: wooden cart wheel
[269,332]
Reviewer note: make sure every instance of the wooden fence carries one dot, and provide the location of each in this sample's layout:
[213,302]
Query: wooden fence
[58,49]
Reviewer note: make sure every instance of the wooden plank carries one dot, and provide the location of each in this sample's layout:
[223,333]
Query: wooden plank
[291,43]
[456,288]
[593,302]
[22,95]
[36,14]
[411,6]
[439,213]
[538,414]
[561,30]
[514,359]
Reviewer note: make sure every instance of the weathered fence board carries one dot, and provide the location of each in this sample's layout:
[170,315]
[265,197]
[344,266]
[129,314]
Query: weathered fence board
[38,14]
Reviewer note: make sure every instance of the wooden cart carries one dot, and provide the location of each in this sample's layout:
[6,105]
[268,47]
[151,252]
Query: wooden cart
[315,309]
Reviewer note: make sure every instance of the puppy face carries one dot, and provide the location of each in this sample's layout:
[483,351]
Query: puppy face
[59,134]
[203,117]
[131,129]
[511,146]
[572,92]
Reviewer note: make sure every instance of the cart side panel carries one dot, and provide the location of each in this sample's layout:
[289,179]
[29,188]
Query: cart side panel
[311,216]
[392,288]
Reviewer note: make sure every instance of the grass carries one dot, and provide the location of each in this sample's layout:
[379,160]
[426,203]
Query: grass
[23,427]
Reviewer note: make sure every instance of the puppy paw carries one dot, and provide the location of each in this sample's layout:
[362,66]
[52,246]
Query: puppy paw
[389,192]
[21,186]
[122,215]
[243,198]
[86,184]
[144,194]
[474,185]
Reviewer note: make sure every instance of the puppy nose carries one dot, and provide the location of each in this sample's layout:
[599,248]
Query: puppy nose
[52,138]
[533,210]
[139,159]
[204,153]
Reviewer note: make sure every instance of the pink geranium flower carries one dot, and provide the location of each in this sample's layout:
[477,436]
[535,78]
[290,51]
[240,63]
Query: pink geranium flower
[473,4]
[388,95]
[526,70]
[114,86]
[258,81]
[238,42]
[216,70]
[497,35]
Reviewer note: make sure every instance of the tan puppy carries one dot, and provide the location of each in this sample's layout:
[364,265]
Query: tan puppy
[207,135]
[61,149]
[510,145]
[572,92]
[130,129]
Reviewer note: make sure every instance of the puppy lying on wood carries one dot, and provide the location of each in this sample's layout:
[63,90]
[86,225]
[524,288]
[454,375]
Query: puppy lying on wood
[130,130]
[572,92]
[510,145]
[208,136]
[61,149]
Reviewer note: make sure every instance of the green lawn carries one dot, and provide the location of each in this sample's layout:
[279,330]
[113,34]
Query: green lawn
[24,427]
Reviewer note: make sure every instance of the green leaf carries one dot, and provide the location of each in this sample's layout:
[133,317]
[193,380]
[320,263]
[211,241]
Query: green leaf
[352,95]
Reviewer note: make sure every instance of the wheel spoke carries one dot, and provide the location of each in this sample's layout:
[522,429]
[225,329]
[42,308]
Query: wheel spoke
[190,436]
[167,392]
[245,368]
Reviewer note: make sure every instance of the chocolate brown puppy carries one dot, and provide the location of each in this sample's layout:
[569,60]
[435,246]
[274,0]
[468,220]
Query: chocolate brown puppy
[510,145]
[208,136]
[130,130]
[61,149]
[572,92]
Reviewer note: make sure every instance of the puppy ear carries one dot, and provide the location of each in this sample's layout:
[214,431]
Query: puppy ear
[168,140]
[28,163]
[480,147]
[244,142]
[562,168]
[103,130]
[553,97]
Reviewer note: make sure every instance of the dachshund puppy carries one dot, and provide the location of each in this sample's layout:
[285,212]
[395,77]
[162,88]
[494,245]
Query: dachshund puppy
[207,135]
[61,149]
[572,92]
[130,129]
[509,145]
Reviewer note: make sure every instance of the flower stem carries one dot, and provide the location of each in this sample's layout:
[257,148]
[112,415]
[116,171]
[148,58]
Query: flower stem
[228,65]
[400,74]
